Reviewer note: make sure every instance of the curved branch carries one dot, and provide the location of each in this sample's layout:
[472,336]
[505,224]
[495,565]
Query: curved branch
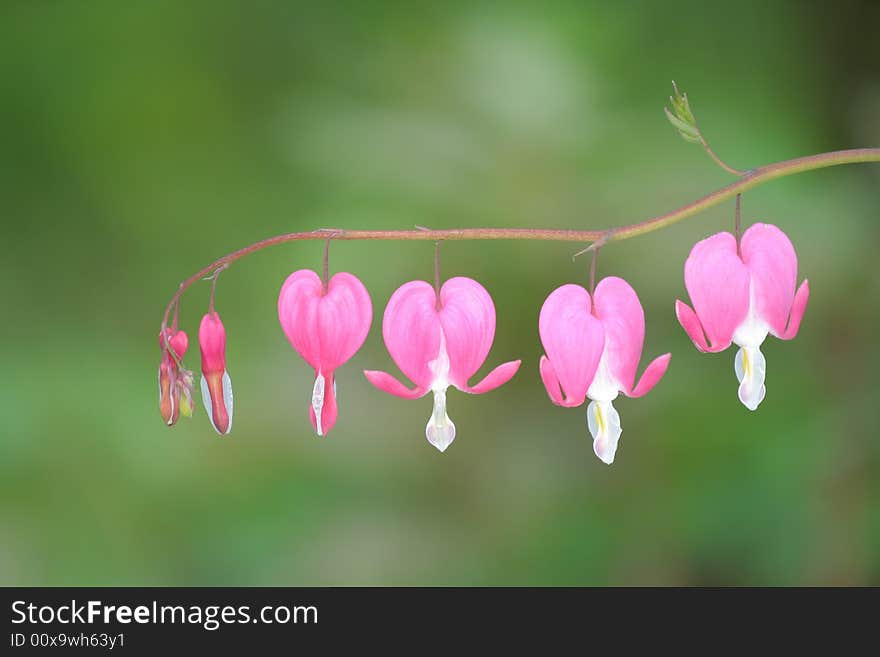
[749,179]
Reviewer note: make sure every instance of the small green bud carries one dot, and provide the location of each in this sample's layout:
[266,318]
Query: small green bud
[681,116]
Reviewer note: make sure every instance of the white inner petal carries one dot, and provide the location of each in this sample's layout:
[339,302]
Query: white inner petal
[206,402]
[604,424]
[318,401]
[749,363]
[440,430]
[227,398]
[753,331]
[604,386]
[751,368]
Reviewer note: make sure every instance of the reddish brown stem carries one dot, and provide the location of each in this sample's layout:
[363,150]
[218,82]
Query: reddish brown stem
[748,180]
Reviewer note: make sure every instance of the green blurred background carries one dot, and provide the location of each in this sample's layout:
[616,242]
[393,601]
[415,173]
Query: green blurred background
[141,140]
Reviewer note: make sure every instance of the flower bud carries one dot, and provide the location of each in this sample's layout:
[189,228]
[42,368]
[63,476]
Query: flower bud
[216,384]
[172,378]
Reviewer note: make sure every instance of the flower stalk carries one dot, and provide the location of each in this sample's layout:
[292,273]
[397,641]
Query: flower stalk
[751,179]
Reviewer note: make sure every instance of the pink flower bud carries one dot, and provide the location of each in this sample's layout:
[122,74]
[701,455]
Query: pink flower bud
[172,379]
[216,384]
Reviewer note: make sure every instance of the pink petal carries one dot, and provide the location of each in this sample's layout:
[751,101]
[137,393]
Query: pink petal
[771,260]
[298,311]
[392,386]
[326,329]
[718,284]
[177,340]
[497,377]
[411,329]
[618,308]
[467,315]
[329,411]
[573,340]
[691,324]
[212,344]
[651,376]
[797,311]
[551,383]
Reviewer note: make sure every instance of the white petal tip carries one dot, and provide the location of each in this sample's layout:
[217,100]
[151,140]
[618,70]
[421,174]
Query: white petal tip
[318,402]
[750,401]
[227,402]
[441,437]
[606,456]
[604,424]
[751,368]
[440,430]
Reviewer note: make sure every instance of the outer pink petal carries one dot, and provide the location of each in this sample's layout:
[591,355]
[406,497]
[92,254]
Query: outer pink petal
[797,311]
[651,376]
[551,383]
[497,377]
[718,284]
[771,260]
[326,329]
[212,343]
[177,340]
[411,329]
[573,340]
[467,315]
[389,384]
[344,317]
[691,324]
[298,311]
[619,310]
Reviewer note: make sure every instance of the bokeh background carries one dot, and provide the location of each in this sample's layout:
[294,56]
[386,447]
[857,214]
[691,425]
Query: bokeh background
[141,140]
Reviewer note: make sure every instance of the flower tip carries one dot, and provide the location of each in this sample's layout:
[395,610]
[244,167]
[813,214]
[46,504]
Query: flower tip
[604,454]
[218,401]
[323,410]
[440,435]
[603,422]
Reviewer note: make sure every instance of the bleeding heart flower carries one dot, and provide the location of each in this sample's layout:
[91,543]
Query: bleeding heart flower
[438,343]
[175,381]
[216,384]
[742,296]
[593,350]
[326,327]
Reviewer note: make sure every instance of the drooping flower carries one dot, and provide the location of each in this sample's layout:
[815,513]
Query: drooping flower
[216,384]
[593,347]
[740,297]
[175,381]
[439,343]
[326,327]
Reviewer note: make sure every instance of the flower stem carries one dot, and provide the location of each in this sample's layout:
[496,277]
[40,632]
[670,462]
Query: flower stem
[747,181]
[736,220]
[593,272]
[326,272]
[718,160]
[438,305]
[214,278]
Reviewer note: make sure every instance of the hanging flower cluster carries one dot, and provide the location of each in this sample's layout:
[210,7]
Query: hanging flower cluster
[439,336]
